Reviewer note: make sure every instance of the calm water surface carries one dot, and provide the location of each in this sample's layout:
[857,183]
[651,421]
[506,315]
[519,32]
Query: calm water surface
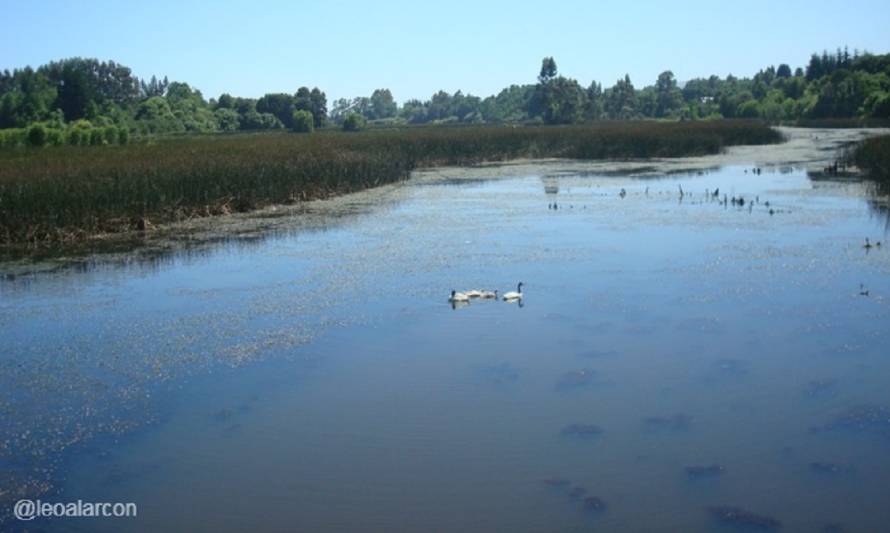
[320,381]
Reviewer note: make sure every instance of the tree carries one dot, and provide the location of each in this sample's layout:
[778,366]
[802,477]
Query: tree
[279,104]
[593,109]
[548,70]
[784,71]
[382,104]
[559,101]
[318,107]
[667,96]
[302,122]
[313,101]
[621,100]
[227,119]
[354,122]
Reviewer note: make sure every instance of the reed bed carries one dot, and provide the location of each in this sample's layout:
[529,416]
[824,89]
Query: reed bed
[873,155]
[61,194]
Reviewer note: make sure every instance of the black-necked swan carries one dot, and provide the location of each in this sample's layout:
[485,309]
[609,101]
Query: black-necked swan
[489,295]
[458,297]
[473,293]
[514,295]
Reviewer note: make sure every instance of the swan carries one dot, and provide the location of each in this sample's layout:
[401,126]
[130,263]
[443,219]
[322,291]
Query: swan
[458,297]
[867,244]
[514,295]
[489,295]
[474,293]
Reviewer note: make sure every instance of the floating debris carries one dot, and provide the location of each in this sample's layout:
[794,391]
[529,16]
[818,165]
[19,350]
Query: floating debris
[821,388]
[704,472]
[577,492]
[581,430]
[575,379]
[873,419]
[826,469]
[737,516]
[592,503]
[677,422]
[556,482]
[500,373]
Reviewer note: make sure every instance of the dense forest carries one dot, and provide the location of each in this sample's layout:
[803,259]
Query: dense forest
[86,101]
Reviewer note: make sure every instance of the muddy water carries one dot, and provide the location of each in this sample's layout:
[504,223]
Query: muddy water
[318,380]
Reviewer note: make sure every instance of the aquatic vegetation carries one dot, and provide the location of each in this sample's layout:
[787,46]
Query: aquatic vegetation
[873,155]
[556,482]
[500,373]
[704,472]
[821,388]
[71,193]
[677,422]
[581,430]
[576,379]
[737,516]
[594,354]
[730,367]
[577,492]
[826,469]
[873,419]
[592,503]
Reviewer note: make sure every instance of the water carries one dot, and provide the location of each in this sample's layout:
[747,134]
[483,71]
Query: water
[319,380]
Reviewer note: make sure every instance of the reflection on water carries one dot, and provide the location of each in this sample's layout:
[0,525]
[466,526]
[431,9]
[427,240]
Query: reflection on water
[675,365]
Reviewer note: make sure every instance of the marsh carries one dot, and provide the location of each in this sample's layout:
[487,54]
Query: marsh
[306,372]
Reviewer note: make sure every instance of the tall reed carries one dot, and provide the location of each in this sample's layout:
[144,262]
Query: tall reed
[65,193]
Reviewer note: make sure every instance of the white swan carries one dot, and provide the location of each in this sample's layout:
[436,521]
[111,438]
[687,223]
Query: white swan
[489,295]
[458,297]
[514,295]
[474,293]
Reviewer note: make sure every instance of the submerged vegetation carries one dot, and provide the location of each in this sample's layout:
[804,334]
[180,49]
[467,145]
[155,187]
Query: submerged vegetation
[70,193]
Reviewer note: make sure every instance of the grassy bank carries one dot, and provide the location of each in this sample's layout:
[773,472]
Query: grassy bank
[873,155]
[61,194]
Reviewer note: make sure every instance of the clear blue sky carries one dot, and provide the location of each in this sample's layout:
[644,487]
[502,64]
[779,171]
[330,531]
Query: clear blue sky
[415,48]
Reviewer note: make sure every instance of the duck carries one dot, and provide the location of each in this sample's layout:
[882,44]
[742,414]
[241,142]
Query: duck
[514,295]
[489,295]
[867,244]
[458,297]
[862,290]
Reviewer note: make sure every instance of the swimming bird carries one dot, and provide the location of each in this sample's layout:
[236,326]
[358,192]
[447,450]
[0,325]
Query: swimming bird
[473,293]
[867,244]
[489,295]
[514,295]
[862,290]
[458,297]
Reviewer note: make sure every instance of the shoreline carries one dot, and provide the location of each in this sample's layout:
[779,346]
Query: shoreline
[806,147]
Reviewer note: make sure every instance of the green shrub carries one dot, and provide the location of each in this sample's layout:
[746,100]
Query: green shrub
[109,135]
[75,136]
[123,135]
[55,137]
[96,136]
[354,122]
[37,135]
[302,122]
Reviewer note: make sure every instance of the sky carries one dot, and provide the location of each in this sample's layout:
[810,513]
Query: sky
[416,48]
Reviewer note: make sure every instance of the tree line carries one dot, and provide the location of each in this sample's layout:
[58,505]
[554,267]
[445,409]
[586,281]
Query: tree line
[88,94]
